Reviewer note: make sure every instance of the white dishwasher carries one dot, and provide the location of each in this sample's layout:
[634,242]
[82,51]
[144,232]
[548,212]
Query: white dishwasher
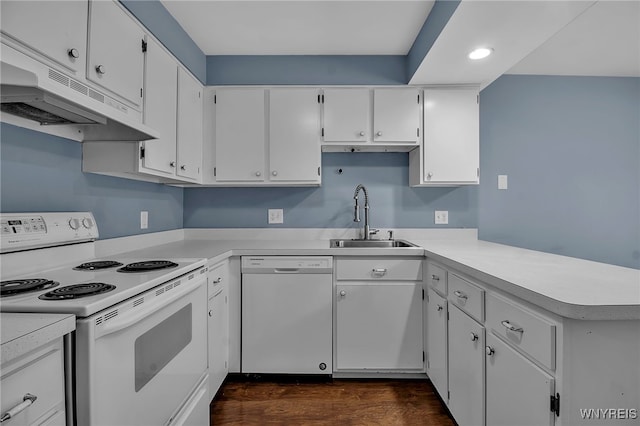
[287,314]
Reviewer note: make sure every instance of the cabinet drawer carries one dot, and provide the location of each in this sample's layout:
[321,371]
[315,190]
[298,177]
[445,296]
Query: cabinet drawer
[379,268]
[437,278]
[39,373]
[523,329]
[468,297]
[218,275]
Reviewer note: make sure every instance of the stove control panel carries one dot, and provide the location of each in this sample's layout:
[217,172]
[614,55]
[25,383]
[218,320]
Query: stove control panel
[21,231]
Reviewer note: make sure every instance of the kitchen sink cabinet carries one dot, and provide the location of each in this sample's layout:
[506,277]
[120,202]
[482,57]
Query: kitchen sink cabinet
[218,326]
[266,137]
[116,55]
[449,154]
[378,323]
[62,40]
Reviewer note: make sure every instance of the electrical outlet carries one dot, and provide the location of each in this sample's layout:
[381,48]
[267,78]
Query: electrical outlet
[144,220]
[442,217]
[502,182]
[276,216]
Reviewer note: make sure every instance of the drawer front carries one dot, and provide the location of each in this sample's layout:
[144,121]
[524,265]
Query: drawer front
[468,297]
[41,374]
[437,278]
[523,329]
[379,268]
[218,275]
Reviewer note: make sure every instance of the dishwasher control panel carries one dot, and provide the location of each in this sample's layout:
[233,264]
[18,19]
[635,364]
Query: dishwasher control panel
[284,264]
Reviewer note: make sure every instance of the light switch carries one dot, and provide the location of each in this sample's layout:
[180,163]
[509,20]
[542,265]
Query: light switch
[442,217]
[276,216]
[502,182]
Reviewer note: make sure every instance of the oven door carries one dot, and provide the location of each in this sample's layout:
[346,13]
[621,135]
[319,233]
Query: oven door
[137,367]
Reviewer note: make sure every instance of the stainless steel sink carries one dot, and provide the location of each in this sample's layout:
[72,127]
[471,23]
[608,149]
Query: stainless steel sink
[370,243]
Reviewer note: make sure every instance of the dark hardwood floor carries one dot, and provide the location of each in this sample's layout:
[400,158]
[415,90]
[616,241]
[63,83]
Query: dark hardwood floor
[291,401]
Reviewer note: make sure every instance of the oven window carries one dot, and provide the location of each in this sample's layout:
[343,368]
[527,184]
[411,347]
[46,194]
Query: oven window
[158,346]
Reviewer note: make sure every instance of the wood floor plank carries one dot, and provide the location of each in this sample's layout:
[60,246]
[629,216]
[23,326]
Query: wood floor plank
[271,401]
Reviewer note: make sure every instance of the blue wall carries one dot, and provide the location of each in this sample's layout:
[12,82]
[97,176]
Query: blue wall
[41,173]
[571,149]
[393,203]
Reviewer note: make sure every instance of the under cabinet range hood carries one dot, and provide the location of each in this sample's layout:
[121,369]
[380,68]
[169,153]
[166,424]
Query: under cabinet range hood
[34,91]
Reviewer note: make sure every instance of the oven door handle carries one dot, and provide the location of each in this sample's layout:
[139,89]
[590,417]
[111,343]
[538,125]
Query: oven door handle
[133,317]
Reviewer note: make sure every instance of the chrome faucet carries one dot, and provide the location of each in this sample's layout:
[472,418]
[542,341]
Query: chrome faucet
[366,232]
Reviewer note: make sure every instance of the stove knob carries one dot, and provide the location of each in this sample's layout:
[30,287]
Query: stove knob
[87,223]
[74,224]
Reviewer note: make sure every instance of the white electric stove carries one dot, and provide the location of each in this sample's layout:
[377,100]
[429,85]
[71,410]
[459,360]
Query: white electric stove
[139,350]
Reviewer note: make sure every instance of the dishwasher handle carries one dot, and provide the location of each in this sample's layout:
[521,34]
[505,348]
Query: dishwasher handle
[286,270]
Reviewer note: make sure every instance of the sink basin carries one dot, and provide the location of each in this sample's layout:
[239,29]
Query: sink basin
[370,244]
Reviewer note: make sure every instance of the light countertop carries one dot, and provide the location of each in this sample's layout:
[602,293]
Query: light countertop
[22,333]
[570,287]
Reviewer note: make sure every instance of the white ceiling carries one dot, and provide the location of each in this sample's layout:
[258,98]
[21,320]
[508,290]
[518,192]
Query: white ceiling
[327,27]
[557,37]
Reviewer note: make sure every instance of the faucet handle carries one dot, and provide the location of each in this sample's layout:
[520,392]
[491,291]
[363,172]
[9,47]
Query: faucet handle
[373,231]
[390,231]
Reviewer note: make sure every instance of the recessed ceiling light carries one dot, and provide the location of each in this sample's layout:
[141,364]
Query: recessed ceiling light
[481,52]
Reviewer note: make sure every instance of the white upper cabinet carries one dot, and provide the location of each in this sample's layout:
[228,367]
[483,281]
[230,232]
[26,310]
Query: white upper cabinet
[160,108]
[116,57]
[239,135]
[449,154]
[189,139]
[396,116]
[294,140]
[347,116]
[57,30]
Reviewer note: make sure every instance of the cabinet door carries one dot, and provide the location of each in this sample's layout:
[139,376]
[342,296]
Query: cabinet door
[218,341]
[161,88]
[466,368]
[437,342]
[189,126]
[451,135]
[396,115]
[116,60]
[517,391]
[294,139]
[346,115]
[57,30]
[239,135]
[379,326]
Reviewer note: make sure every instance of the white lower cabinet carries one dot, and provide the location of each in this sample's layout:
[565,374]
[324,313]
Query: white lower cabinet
[466,368]
[218,327]
[378,322]
[518,392]
[437,342]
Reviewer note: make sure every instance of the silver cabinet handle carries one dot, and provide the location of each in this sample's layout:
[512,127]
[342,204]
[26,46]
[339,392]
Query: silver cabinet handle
[27,400]
[218,280]
[100,69]
[210,312]
[429,175]
[460,294]
[379,272]
[439,308]
[258,174]
[183,167]
[73,53]
[379,134]
[435,278]
[274,173]
[343,293]
[172,164]
[489,350]
[511,327]
[474,337]
[361,133]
